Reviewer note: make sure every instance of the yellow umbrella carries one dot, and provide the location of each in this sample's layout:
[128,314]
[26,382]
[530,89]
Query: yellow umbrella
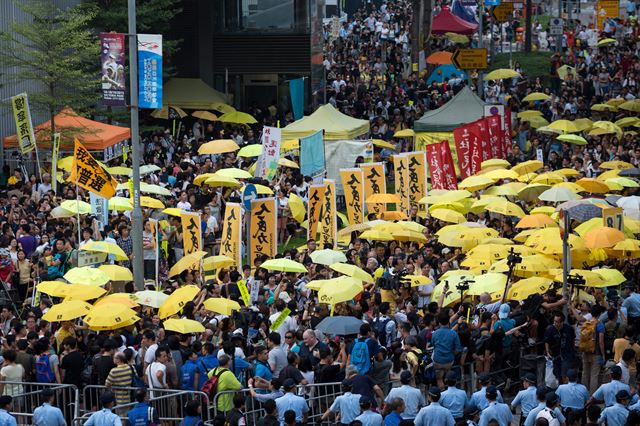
[532,191]
[502,190]
[475,183]
[327,257]
[536,96]
[284,265]
[457,38]
[200,179]
[633,105]
[563,125]
[233,173]
[120,204]
[237,117]
[548,210]
[583,124]
[611,277]
[411,226]
[177,300]
[205,115]
[549,178]
[296,205]
[217,180]
[489,282]
[219,146]
[87,275]
[564,70]
[70,291]
[223,108]
[627,248]
[153,189]
[76,206]
[151,298]
[383,199]
[352,271]
[417,280]
[501,74]
[573,187]
[606,41]
[529,114]
[593,186]
[376,235]
[183,326]
[505,208]
[494,162]
[67,311]
[127,299]
[536,221]
[50,287]
[117,273]
[405,133]
[290,145]
[173,211]
[263,190]
[188,261]
[406,235]
[106,247]
[536,122]
[530,265]
[617,164]
[284,162]
[596,222]
[253,150]
[164,112]
[488,252]
[217,262]
[447,215]
[548,241]
[558,195]
[603,107]
[383,144]
[151,203]
[603,237]
[339,290]
[59,213]
[120,171]
[466,238]
[110,316]
[455,206]
[568,172]
[524,288]
[527,167]
[498,174]
[591,278]
[221,305]
[623,182]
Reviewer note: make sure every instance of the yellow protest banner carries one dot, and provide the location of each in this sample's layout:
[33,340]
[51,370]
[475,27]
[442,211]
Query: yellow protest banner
[153,223]
[191,232]
[328,218]
[314,207]
[606,9]
[232,233]
[262,229]
[87,173]
[401,176]
[24,127]
[244,293]
[353,186]
[417,173]
[374,183]
[278,322]
[54,161]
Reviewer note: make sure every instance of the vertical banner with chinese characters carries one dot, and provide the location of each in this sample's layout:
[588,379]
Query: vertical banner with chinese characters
[55,149]
[87,173]
[268,160]
[314,208]
[374,183]
[441,166]
[153,225]
[417,173]
[24,127]
[150,71]
[484,140]
[353,187]
[262,228]
[400,168]
[506,141]
[450,179]
[328,218]
[191,232]
[475,147]
[496,137]
[464,140]
[232,233]
[100,209]
[113,78]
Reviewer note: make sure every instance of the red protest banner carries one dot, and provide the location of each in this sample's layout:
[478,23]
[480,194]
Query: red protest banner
[441,170]
[451,181]
[495,135]
[506,146]
[464,138]
[483,125]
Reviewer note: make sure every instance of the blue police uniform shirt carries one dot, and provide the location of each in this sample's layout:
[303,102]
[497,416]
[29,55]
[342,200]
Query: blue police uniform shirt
[454,400]
[607,392]
[370,418]
[632,303]
[348,405]
[139,415]
[479,401]
[434,414]
[293,402]
[573,395]
[616,415]
[104,417]
[188,371]
[7,419]
[47,415]
[412,397]
[498,411]
[531,418]
[526,399]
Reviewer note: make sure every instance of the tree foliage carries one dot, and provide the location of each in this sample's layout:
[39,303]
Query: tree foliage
[57,49]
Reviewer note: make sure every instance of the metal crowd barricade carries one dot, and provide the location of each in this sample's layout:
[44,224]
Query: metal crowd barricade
[169,403]
[27,397]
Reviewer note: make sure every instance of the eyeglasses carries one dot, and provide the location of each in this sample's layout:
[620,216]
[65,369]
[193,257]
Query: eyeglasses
[288,337]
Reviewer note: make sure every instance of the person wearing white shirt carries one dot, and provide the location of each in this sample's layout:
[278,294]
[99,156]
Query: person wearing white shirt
[184,203]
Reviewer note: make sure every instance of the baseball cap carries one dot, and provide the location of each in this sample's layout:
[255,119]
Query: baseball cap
[504,311]
[484,379]
[406,376]
[623,394]
[551,398]
[572,375]
[491,392]
[530,377]
[107,398]
[434,391]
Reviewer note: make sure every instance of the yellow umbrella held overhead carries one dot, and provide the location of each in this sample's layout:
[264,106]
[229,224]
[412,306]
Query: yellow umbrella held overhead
[564,125]
[151,203]
[205,115]
[106,247]
[217,180]
[494,162]
[611,277]
[475,183]
[296,205]
[212,263]
[87,276]
[501,74]
[383,144]
[187,261]
[120,171]
[285,162]
[327,257]
[603,237]
[339,290]
[67,311]
[528,286]
[110,316]
[352,271]
[489,283]
[151,298]
[536,221]
[253,150]
[117,273]
[528,167]
[76,206]
[173,211]
[221,305]
[120,204]
[376,235]
[126,299]
[70,291]
[405,133]
[417,280]
[219,146]
[237,117]
[447,215]
[183,326]
[177,300]
[536,96]
[505,208]
[233,173]
[284,265]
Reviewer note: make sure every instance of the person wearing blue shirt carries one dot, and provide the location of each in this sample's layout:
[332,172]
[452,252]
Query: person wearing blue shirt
[434,414]
[541,395]
[478,400]
[139,414]
[453,399]
[412,397]
[505,324]
[617,414]
[6,419]
[290,401]
[207,362]
[526,398]
[368,416]
[573,395]
[394,417]
[607,391]
[105,417]
[495,410]
[347,405]
[446,344]
[47,414]
[631,302]
[263,374]
[189,371]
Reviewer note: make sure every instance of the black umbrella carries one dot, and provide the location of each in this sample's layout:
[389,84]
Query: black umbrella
[635,172]
[340,326]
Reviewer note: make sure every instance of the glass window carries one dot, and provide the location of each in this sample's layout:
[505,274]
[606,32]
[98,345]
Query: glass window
[278,16]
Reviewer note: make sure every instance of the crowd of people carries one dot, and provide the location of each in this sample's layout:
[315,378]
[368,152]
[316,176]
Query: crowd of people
[414,359]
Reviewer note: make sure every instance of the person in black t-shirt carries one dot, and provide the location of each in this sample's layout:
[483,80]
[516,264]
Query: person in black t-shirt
[71,362]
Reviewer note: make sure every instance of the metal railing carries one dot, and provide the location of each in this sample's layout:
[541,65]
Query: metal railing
[27,397]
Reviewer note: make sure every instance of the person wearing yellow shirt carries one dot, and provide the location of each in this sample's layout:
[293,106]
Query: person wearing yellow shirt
[227,381]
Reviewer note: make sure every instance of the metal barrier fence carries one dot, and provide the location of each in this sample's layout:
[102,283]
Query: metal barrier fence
[169,403]
[27,397]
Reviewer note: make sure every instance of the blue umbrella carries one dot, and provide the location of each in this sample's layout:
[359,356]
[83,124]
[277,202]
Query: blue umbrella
[635,172]
[445,71]
[340,325]
[584,212]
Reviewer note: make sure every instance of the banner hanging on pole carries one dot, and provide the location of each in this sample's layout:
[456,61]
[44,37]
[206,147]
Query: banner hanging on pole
[191,233]
[87,173]
[328,218]
[417,174]
[296,90]
[113,79]
[262,229]
[268,160]
[55,149]
[232,234]
[150,71]
[314,208]
[374,183]
[353,187]
[400,168]
[24,127]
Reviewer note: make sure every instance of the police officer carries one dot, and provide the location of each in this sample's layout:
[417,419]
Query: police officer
[453,399]
[607,392]
[434,414]
[495,411]
[478,399]
[617,414]
[573,396]
[526,398]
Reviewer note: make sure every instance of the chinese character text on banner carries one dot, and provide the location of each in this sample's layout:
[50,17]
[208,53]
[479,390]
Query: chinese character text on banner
[113,77]
[417,172]
[353,187]
[374,183]
[150,71]
[314,207]
[87,173]
[24,127]
[268,160]
[401,177]
[262,229]
[191,232]
[232,233]
[55,149]
[328,218]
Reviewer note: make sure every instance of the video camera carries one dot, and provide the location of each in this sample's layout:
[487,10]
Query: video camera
[394,282]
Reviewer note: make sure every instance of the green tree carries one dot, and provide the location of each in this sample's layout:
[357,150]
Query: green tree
[152,17]
[57,49]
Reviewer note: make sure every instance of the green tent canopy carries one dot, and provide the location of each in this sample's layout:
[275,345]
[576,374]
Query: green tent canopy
[463,108]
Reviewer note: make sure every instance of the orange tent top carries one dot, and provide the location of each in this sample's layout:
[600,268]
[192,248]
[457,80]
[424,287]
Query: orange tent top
[94,135]
[440,58]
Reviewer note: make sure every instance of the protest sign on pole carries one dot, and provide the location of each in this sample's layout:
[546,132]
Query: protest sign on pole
[374,183]
[328,217]
[417,173]
[262,229]
[353,187]
[113,78]
[230,242]
[268,160]
[314,208]
[55,149]
[24,127]
[400,170]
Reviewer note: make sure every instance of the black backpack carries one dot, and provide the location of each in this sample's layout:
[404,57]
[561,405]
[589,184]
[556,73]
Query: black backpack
[380,327]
